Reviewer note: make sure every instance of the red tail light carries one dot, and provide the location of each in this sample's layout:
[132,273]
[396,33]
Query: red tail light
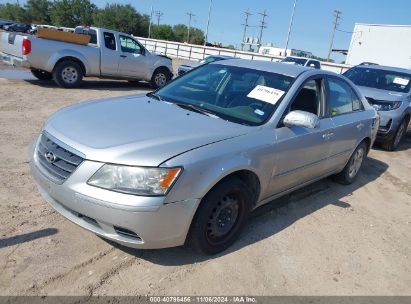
[26,47]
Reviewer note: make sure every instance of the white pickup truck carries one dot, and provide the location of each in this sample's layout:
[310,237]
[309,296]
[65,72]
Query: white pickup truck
[109,54]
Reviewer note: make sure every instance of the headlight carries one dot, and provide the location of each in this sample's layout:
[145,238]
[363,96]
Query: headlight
[135,180]
[386,106]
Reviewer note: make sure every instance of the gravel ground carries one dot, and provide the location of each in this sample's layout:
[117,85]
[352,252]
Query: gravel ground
[326,239]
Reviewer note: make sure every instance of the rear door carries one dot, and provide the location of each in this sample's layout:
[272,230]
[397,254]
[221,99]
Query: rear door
[351,121]
[302,153]
[110,54]
[133,62]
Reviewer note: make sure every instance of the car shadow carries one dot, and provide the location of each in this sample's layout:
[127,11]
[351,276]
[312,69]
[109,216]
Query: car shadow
[98,84]
[273,217]
[27,237]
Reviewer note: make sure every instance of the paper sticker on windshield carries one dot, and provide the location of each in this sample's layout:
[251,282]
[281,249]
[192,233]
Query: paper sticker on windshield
[401,81]
[266,94]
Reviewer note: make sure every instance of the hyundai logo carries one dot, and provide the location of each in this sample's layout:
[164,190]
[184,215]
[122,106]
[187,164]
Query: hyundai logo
[50,157]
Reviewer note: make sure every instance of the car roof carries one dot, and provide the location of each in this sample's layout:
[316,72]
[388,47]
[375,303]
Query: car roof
[385,68]
[268,66]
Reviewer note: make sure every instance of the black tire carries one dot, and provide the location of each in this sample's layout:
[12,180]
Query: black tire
[392,144]
[228,203]
[350,172]
[68,74]
[160,77]
[41,75]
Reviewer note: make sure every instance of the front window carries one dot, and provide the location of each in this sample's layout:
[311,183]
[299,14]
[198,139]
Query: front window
[239,95]
[380,79]
[129,45]
[296,61]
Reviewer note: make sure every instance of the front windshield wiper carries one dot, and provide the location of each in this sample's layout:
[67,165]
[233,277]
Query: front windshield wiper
[196,109]
[155,96]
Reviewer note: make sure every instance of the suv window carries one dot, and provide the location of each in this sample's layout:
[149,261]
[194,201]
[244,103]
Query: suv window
[341,98]
[109,41]
[129,45]
[309,98]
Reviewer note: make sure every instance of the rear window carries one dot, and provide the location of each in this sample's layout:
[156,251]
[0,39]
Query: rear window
[90,32]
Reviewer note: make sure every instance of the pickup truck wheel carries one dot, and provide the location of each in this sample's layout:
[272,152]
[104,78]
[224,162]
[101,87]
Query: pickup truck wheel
[160,77]
[41,75]
[350,172]
[68,74]
[393,143]
[220,217]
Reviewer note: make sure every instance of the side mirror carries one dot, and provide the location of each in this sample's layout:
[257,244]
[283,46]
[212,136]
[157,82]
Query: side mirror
[301,119]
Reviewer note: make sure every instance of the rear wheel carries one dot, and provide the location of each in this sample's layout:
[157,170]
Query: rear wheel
[160,77]
[350,172]
[393,143]
[41,75]
[68,74]
[220,217]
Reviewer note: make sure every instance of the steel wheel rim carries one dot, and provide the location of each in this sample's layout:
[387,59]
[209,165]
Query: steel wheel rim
[223,218]
[356,163]
[69,74]
[160,79]
[399,134]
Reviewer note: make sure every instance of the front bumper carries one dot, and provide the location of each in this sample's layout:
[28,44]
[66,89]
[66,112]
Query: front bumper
[388,125]
[133,221]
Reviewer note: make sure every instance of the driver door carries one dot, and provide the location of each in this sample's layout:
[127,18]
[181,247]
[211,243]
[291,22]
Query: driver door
[132,62]
[302,153]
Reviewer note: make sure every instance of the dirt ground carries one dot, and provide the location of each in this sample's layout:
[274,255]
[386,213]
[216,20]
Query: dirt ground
[326,239]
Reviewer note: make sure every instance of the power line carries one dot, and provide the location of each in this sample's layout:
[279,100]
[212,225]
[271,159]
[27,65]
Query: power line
[190,15]
[247,14]
[263,25]
[337,15]
[159,14]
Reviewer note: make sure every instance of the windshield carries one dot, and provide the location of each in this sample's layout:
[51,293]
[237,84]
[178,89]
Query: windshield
[239,95]
[297,61]
[380,79]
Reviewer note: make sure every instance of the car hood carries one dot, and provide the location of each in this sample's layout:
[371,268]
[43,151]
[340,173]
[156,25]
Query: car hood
[381,95]
[136,130]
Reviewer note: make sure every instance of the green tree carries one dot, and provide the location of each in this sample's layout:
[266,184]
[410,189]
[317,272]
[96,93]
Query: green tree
[196,36]
[163,32]
[38,11]
[13,12]
[181,32]
[71,13]
[122,18]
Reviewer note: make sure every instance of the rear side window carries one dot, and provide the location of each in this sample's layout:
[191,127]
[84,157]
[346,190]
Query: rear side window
[109,41]
[341,98]
[86,31]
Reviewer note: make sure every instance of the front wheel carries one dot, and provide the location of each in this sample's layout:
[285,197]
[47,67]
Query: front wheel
[160,77]
[220,217]
[350,172]
[393,143]
[41,75]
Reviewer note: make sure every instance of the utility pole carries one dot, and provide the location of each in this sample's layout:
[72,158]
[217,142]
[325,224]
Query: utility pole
[151,20]
[208,21]
[247,14]
[290,27]
[159,14]
[263,25]
[337,15]
[190,15]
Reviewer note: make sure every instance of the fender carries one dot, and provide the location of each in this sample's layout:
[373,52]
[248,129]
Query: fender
[53,59]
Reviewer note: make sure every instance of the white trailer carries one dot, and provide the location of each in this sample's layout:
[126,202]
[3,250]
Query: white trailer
[382,44]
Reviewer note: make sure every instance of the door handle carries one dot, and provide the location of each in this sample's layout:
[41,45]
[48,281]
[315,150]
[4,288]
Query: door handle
[123,56]
[327,135]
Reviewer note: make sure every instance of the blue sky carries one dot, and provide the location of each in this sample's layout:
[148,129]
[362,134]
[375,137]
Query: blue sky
[312,24]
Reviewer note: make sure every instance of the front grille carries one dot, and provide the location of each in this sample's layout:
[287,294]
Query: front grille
[61,165]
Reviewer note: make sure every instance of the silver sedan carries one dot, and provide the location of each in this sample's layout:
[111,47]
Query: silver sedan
[190,161]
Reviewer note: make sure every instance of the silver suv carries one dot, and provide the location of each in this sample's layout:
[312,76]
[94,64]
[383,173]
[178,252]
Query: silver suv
[388,89]
[189,162]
